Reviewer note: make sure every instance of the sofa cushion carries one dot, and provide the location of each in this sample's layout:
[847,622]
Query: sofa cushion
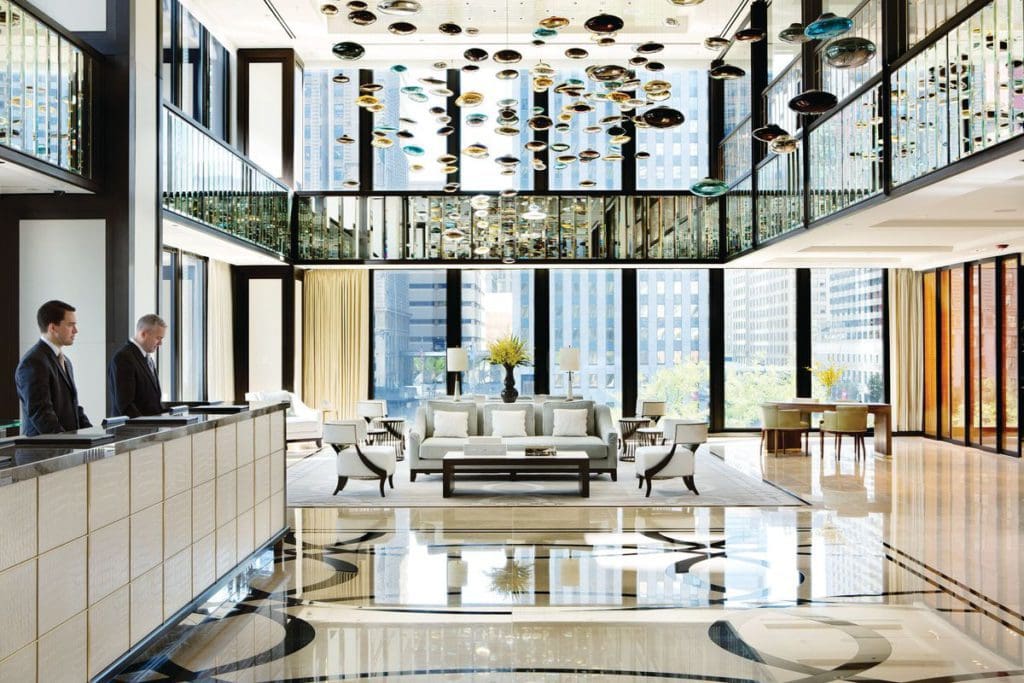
[451,407]
[594,447]
[434,447]
[508,423]
[490,408]
[300,429]
[451,423]
[549,414]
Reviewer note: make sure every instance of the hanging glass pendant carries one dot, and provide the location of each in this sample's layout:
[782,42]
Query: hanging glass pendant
[576,53]
[554,22]
[507,74]
[813,102]
[403,8]
[508,56]
[413,150]
[709,187]
[784,144]
[749,35]
[540,123]
[402,28]
[544,33]
[476,54]
[726,72]
[649,48]
[654,66]
[604,23]
[769,132]
[793,34]
[828,25]
[476,151]
[476,119]
[362,17]
[348,51]
[450,29]
[663,117]
[716,43]
[327,10]
[340,79]
[469,99]
[848,53]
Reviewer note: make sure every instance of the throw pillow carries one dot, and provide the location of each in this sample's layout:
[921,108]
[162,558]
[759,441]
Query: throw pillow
[508,423]
[451,424]
[569,422]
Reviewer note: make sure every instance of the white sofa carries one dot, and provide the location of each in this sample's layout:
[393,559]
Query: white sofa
[302,423]
[425,450]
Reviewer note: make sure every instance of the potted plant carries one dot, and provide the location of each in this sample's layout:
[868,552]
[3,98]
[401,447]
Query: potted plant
[828,375]
[509,351]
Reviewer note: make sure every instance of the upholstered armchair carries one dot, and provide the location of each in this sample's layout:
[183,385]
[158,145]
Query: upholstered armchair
[356,461]
[775,420]
[674,459]
[852,420]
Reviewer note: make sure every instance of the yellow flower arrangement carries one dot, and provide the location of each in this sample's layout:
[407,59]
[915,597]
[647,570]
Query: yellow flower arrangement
[508,351]
[828,375]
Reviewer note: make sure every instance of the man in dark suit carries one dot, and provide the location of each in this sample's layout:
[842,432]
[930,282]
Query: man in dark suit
[45,379]
[132,379]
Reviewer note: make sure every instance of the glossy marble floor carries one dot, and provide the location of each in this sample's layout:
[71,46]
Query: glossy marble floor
[903,569]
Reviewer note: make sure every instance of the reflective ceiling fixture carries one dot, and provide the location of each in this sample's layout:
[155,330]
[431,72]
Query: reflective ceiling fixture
[605,41]
[576,53]
[403,8]
[654,66]
[554,22]
[357,5]
[508,56]
[663,117]
[362,17]
[348,51]
[749,35]
[476,54]
[507,75]
[716,43]
[685,3]
[533,213]
[413,150]
[637,60]
[642,155]
[450,29]
[340,78]
[828,25]
[329,10]
[709,187]
[604,23]
[476,119]
[346,140]
[476,151]
[536,146]
[544,33]
[784,144]
[469,99]
[793,34]
[813,102]
[726,72]
[769,132]
[649,48]
[847,53]
[402,28]
[606,72]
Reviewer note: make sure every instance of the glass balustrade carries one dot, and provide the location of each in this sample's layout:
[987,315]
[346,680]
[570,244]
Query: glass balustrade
[736,153]
[924,16]
[846,156]
[739,218]
[45,92]
[843,82]
[780,197]
[779,92]
[208,182]
[494,228]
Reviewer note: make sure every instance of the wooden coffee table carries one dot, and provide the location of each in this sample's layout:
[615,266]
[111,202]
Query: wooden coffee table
[515,462]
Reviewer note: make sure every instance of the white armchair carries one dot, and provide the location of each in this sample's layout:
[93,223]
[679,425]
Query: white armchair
[302,423]
[674,459]
[355,461]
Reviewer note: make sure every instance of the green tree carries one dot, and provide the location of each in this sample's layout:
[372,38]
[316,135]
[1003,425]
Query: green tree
[748,387]
[684,388]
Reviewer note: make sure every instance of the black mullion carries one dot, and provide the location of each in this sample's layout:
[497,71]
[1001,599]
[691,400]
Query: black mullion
[205,392]
[629,322]
[804,342]
[372,358]
[886,358]
[542,101]
[716,351]
[965,268]
[454,141]
[939,351]
[366,150]
[453,317]
[176,375]
[542,331]
[1000,356]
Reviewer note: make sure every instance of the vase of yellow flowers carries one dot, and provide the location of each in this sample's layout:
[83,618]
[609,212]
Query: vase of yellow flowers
[510,352]
[828,376]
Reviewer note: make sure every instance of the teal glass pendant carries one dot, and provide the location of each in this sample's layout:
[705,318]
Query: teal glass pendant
[709,187]
[828,25]
[847,53]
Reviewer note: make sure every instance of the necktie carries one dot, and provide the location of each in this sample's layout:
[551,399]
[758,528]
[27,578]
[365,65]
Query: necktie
[63,365]
[152,366]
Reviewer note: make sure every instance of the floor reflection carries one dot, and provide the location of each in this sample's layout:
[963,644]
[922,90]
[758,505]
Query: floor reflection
[896,574]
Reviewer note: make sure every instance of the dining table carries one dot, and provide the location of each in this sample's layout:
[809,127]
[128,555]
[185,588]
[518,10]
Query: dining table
[881,411]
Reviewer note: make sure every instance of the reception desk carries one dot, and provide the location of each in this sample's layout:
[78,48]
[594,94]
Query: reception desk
[101,547]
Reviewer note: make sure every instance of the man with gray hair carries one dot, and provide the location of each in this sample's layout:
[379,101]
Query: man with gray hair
[132,380]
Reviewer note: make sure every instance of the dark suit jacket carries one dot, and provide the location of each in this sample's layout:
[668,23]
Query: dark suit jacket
[132,387]
[49,398]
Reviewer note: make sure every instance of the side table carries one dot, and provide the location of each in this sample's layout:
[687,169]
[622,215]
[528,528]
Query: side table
[394,434]
[628,437]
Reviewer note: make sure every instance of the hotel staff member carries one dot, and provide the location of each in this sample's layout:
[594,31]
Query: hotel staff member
[45,379]
[132,379]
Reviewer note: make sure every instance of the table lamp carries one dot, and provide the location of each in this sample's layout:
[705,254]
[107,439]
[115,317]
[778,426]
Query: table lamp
[458,362]
[569,361]
[654,410]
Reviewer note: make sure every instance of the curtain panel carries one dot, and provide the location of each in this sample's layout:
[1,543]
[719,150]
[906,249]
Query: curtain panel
[336,339]
[220,369]
[906,349]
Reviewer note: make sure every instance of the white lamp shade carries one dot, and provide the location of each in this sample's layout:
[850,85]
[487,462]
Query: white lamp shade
[569,360]
[458,360]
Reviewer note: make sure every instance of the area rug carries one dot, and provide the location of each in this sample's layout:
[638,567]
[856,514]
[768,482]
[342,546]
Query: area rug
[311,481]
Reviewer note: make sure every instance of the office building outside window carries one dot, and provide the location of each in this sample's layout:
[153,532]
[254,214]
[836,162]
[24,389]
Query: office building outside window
[496,303]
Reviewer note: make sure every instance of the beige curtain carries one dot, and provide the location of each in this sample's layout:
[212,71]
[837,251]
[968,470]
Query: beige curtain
[220,362]
[336,339]
[906,350]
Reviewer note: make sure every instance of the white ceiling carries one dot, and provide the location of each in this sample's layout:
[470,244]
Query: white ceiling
[250,23]
[957,219]
[16,179]
[218,248]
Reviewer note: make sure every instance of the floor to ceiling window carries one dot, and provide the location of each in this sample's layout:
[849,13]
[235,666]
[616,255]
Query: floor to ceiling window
[586,314]
[496,303]
[168,303]
[181,360]
[672,340]
[846,331]
[760,342]
[409,337]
